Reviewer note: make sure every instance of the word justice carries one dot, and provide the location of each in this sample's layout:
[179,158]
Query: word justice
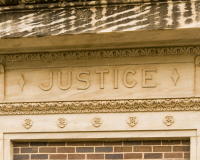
[102,74]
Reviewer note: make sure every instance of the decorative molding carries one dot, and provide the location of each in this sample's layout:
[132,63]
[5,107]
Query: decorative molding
[101,54]
[2,80]
[74,2]
[27,123]
[175,76]
[168,120]
[132,121]
[61,122]
[109,106]
[21,82]
[97,121]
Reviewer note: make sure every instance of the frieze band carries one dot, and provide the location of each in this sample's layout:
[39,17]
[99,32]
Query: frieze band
[97,122]
[109,106]
[102,54]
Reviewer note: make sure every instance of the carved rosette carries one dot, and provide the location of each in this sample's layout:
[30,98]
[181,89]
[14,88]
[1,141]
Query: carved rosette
[168,120]
[97,121]
[132,121]
[61,122]
[27,123]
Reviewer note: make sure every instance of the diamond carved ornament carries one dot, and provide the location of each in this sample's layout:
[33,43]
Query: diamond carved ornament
[175,76]
[21,82]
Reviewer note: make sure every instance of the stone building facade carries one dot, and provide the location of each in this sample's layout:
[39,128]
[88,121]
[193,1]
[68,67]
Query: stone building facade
[106,80]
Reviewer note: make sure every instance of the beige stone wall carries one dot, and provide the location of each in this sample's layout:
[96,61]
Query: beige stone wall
[162,104]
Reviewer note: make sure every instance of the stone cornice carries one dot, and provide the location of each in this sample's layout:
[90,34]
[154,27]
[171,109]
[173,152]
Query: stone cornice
[67,3]
[106,106]
[101,54]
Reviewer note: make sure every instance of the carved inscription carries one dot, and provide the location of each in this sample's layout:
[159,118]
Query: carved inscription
[145,78]
[102,77]
[50,83]
[125,79]
[69,81]
[83,80]
[102,74]
[101,82]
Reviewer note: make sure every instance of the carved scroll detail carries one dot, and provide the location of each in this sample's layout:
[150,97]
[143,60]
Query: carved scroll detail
[109,106]
[102,54]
